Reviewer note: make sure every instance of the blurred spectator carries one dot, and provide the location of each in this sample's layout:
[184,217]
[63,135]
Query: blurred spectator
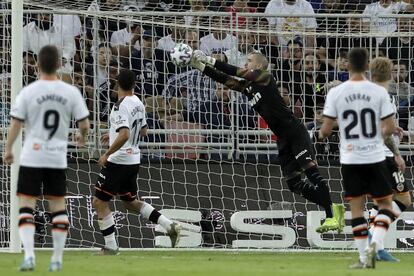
[294,25]
[237,56]
[29,67]
[292,61]
[151,66]
[192,39]
[124,40]
[167,43]
[399,87]
[380,24]
[197,6]
[218,40]
[341,68]
[311,86]
[102,82]
[318,5]
[70,24]
[40,32]
[166,5]
[137,4]
[400,48]
[333,46]
[240,6]
[265,45]
[330,24]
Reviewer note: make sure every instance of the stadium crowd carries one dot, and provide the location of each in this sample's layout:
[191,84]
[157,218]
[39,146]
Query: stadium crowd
[308,55]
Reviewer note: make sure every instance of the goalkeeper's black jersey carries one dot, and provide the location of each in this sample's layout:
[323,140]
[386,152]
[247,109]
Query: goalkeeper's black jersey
[264,96]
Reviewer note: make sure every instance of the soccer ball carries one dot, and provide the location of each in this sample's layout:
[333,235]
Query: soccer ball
[181,54]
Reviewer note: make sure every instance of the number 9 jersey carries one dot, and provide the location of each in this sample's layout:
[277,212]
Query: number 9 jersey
[359,107]
[47,108]
[128,112]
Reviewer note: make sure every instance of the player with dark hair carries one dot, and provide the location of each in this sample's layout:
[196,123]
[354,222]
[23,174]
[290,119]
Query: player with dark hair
[365,118]
[295,148]
[120,165]
[46,107]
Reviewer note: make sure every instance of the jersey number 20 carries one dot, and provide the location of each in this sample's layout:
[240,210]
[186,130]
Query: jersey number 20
[366,117]
[51,122]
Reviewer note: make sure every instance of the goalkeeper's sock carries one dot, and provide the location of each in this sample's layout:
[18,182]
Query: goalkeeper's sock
[60,228]
[318,192]
[149,212]
[27,231]
[360,231]
[381,224]
[107,226]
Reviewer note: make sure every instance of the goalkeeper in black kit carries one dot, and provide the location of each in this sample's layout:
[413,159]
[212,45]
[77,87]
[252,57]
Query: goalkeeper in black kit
[295,148]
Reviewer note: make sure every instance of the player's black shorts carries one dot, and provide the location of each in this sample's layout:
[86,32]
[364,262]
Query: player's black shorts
[399,185]
[367,179]
[116,179]
[37,181]
[295,151]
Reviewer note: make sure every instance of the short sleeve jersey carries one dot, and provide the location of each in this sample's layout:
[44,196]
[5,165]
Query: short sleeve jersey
[359,107]
[47,108]
[128,112]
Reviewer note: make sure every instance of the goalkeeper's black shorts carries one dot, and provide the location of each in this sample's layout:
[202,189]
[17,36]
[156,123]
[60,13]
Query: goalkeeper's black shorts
[117,179]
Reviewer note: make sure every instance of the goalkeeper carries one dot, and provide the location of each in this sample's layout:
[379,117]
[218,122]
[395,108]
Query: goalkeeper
[295,148]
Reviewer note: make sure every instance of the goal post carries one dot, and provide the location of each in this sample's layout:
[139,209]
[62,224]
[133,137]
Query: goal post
[16,86]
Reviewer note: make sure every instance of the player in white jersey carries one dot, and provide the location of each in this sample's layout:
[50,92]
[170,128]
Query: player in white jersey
[120,165]
[46,108]
[381,69]
[365,117]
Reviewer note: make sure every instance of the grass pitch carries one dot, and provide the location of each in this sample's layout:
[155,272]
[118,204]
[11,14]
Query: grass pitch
[209,263]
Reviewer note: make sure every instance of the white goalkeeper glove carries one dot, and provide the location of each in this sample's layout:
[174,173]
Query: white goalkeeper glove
[200,56]
[195,63]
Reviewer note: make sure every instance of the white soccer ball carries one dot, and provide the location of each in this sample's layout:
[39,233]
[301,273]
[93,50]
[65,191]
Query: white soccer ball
[181,54]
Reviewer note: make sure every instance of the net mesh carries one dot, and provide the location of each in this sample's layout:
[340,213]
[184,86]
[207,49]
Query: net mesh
[208,155]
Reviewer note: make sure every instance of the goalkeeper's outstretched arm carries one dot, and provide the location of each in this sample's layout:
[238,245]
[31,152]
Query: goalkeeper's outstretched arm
[229,81]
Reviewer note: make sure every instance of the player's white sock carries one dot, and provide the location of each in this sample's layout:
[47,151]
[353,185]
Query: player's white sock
[360,230]
[107,226]
[27,231]
[60,223]
[382,222]
[373,212]
[397,209]
[149,212]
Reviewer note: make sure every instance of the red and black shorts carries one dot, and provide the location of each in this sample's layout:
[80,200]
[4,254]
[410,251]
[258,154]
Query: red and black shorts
[37,181]
[117,179]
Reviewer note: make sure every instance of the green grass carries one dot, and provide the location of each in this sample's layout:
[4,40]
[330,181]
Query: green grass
[151,263]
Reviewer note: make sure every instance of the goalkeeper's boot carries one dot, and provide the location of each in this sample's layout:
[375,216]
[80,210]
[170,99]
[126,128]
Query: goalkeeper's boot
[371,253]
[339,215]
[174,233]
[330,224]
[108,252]
[27,264]
[55,266]
[384,255]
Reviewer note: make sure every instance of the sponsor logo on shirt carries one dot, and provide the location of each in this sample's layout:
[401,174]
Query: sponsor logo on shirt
[129,151]
[37,146]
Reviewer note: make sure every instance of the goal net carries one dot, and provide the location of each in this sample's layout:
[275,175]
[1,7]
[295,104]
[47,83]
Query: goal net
[209,160]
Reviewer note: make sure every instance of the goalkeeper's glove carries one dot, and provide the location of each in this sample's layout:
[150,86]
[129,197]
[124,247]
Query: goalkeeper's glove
[199,55]
[197,64]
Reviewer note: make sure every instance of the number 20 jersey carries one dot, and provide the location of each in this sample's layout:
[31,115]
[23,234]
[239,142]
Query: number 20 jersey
[47,108]
[359,107]
[128,112]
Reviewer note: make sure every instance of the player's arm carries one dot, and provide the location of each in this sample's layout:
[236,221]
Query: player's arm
[83,126]
[327,126]
[218,76]
[329,116]
[14,131]
[249,75]
[120,140]
[144,131]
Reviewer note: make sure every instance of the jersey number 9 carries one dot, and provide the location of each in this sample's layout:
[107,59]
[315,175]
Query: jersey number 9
[51,122]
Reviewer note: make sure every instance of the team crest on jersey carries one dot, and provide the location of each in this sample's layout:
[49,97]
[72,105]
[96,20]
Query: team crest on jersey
[400,187]
[118,120]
